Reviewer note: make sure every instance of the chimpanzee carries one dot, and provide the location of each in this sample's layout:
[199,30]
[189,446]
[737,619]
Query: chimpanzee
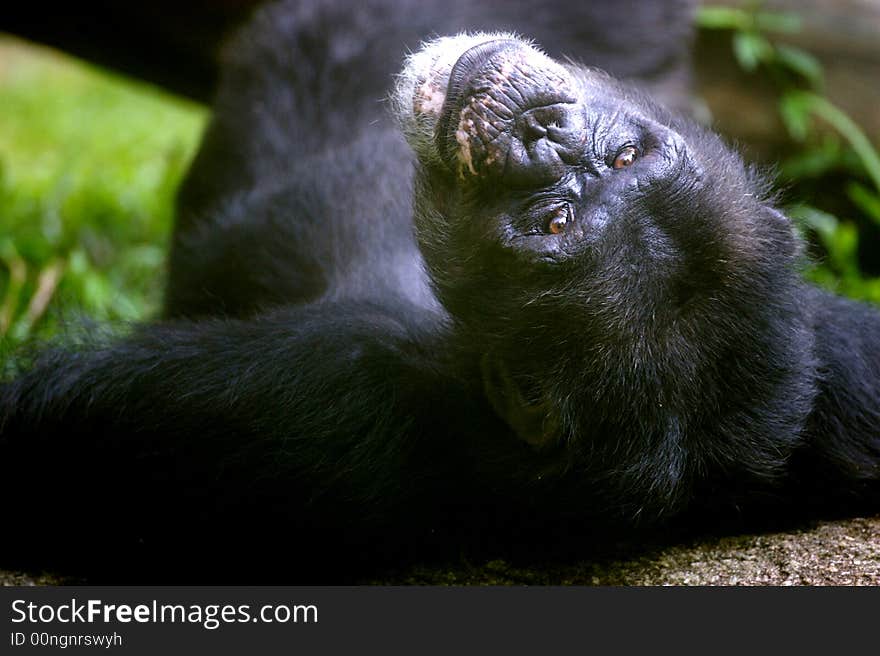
[500,294]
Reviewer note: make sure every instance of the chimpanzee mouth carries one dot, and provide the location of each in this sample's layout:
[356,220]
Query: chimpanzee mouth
[509,111]
[490,106]
[466,68]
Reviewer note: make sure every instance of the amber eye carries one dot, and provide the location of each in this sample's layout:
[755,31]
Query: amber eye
[559,220]
[625,157]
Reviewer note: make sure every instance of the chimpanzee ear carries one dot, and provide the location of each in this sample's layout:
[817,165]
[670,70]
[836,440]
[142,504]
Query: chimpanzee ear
[775,215]
[532,422]
[790,244]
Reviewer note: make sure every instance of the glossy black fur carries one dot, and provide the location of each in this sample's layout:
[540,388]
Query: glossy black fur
[311,404]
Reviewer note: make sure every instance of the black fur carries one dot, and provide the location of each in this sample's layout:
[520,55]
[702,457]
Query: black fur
[325,390]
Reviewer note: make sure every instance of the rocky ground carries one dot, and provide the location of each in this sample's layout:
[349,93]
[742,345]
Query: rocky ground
[845,552]
[830,553]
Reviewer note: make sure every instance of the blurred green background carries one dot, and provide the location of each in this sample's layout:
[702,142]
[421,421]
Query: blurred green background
[827,168]
[90,162]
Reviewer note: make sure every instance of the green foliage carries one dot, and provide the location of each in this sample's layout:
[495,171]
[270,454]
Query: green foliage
[89,164]
[831,145]
[746,20]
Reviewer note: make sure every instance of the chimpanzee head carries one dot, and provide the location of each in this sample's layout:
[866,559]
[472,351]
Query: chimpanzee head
[599,253]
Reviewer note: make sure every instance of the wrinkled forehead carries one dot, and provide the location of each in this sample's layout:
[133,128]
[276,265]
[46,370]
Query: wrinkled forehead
[606,98]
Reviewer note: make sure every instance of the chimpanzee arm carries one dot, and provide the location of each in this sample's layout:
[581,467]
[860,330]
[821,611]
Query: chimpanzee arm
[322,417]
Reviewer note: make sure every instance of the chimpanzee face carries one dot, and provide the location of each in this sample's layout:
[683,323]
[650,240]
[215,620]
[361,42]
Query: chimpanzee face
[531,165]
[562,212]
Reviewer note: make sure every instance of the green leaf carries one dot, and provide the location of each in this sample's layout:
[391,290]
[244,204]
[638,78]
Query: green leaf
[843,249]
[732,18]
[723,18]
[751,49]
[96,292]
[778,22]
[847,128]
[867,200]
[802,63]
[816,161]
[794,109]
[822,223]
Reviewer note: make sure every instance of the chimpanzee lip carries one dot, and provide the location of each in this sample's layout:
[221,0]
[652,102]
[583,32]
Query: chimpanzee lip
[468,65]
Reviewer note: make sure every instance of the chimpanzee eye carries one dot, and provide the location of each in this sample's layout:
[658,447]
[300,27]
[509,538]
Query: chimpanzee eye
[559,220]
[625,156]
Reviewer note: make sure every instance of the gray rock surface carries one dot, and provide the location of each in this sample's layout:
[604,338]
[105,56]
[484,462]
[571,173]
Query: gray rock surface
[845,552]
